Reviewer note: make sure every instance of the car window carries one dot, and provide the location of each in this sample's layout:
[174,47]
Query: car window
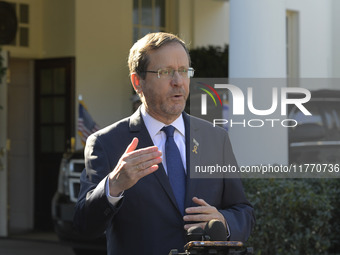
[316,138]
[332,115]
[332,119]
[301,118]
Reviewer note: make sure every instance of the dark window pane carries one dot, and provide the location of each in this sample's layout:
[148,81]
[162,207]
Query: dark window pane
[24,13]
[160,13]
[59,138]
[59,110]
[135,12]
[24,36]
[145,31]
[59,81]
[135,34]
[46,82]
[46,110]
[14,42]
[46,139]
[147,12]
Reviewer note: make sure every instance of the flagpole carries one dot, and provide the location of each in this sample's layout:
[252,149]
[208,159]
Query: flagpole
[80,99]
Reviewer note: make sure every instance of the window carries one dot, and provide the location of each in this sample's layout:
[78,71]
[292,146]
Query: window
[22,37]
[148,17]
[292,44]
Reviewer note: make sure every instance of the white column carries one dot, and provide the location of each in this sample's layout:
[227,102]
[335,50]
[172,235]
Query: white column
[258,50]
[257,39]
[336,38]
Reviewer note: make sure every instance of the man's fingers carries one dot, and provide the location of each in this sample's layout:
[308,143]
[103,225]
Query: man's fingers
[203,207]
[147,171]
[132,146]
[142,151]
[146,164]
[144,155]
[139,158]
[134,165]
[199,201]
[200,209]
[198,217]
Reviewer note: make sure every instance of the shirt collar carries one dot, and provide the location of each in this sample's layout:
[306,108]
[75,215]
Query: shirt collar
[154,126]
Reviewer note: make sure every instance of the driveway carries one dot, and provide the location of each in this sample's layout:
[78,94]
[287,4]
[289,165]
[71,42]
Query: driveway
[14,246]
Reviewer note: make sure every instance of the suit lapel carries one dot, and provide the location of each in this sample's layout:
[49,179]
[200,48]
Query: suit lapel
[192,157]
[139,129]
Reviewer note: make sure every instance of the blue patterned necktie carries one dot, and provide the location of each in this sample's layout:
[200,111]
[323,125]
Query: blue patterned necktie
[176,172]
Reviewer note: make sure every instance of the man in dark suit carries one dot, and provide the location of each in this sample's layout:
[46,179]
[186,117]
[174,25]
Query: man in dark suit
[128,188]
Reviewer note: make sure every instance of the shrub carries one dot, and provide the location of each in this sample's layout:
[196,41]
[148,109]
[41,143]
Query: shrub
[294,216]
[210,61]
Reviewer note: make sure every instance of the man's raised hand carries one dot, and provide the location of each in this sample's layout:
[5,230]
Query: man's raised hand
[132,166]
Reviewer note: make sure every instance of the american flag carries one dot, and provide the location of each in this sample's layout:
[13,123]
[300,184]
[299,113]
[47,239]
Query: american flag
[86,125]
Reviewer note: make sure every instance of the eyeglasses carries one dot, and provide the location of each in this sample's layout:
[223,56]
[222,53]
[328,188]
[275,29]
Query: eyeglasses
[168,73]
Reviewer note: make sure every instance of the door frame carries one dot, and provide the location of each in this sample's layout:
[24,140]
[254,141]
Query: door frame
[41,220]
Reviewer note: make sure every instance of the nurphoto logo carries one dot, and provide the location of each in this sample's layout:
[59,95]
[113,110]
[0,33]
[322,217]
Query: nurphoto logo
[244,104]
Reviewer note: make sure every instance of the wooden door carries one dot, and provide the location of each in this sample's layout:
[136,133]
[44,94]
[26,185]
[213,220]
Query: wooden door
[54,126]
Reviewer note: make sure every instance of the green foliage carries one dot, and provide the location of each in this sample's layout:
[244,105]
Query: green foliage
[210,62]
[334,187]
[294,216]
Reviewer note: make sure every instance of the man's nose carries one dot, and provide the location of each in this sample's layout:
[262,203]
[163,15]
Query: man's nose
[177,79]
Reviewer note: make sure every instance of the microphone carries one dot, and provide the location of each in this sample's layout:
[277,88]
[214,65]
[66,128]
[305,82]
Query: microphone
[216,230]
[211,240]
[195,233]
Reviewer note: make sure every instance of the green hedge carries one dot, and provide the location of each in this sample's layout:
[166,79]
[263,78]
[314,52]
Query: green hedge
[295,216]
[210,61]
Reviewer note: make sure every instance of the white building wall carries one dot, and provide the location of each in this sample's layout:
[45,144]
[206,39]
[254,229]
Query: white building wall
[204,22]
[34,50]
[51,30]
[315,36]
[58,28]
[257,39]
[211,23]
[103,39]
[335,38]
[185,22]
[257,51]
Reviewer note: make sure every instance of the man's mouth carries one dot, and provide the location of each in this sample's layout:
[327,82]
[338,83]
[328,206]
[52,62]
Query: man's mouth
[177,97]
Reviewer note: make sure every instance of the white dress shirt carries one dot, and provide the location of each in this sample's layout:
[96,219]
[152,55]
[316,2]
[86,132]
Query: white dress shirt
[159,137]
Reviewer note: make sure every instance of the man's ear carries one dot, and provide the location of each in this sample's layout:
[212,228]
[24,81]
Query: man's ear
[135,80]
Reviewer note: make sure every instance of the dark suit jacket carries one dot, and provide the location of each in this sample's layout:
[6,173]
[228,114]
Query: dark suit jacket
[147,220]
